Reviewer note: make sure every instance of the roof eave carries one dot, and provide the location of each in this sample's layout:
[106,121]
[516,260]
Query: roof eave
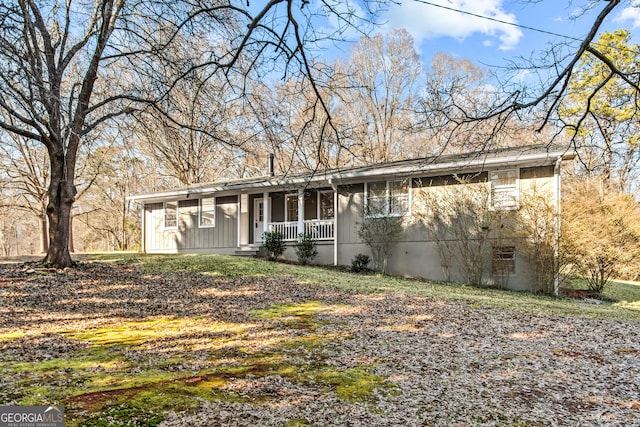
[479,163]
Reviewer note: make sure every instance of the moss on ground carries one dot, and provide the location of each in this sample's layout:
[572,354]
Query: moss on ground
[115,374]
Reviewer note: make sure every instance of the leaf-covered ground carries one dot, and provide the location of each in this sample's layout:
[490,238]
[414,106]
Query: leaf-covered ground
[116,345]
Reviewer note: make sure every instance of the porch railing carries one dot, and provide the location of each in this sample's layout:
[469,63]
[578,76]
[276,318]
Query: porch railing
[319,229]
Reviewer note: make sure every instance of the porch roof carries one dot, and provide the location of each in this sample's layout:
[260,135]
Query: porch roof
[534,155]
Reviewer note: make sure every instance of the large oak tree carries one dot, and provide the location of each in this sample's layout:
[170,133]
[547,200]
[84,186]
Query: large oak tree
[67,68]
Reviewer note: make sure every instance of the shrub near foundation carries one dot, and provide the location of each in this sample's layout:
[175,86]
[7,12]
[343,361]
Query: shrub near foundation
[306,248]
[273,243]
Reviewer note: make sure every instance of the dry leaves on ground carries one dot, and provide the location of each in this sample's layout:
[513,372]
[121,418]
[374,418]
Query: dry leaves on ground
[439,363]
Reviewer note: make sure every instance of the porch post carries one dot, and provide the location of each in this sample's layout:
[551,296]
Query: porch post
[243,219]
[300,211]
[335,223]
[266,205]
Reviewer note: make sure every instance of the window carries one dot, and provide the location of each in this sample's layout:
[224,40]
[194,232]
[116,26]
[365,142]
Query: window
[398,197]
[207,212]
[388,198]
[376,198]
[291,212]
[504,189]
[170,215]
[504,260]
[326,205]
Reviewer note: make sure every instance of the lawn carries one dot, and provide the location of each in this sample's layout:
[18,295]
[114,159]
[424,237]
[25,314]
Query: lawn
[128,339]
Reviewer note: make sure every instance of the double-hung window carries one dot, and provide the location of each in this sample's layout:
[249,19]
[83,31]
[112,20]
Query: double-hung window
[207,212]
[504,189]
[388,198]
[170,215]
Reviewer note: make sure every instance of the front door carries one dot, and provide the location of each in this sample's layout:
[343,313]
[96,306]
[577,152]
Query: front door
[258,220]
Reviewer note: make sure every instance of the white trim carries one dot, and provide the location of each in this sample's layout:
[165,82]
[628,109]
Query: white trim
[301,229]
[266,207]
[257,238]
[200,212]
[239,221]
[164,215]
[335,224]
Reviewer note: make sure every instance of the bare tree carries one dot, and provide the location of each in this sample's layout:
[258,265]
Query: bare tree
[52,55]
[462,225]
[201,151]
[105,218]
[377,89]
[288,125]
[600,233]
[27,170]
[555,68]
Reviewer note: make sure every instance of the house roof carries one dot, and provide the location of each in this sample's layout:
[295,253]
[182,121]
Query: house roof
[533,155]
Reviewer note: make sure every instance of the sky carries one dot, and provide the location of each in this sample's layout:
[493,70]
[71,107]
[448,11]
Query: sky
[491,42]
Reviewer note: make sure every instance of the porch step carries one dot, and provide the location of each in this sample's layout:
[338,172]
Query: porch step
[250,252]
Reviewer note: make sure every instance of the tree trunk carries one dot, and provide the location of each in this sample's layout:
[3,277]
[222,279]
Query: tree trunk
[44,234]
[61,198]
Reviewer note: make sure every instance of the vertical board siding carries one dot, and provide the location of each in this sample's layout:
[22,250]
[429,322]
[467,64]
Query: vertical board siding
[189,235]
[350,208]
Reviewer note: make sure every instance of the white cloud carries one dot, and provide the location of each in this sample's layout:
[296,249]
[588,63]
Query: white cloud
[631,13]
[425,22]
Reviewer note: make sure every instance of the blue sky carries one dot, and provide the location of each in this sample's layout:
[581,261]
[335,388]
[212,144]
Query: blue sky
[492,43]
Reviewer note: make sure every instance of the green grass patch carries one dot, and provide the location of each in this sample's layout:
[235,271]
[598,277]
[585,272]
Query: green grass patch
[352,384]
[280,311]
[375,283]
[627,294]
[12,335]
[120,415]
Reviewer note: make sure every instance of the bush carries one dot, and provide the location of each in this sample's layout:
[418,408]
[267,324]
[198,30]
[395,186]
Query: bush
[600,232]
[273,243]
[360,264]
[380,233]
[306,249]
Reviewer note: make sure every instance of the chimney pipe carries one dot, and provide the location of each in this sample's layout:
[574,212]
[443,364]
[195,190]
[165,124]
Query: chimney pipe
[271,157]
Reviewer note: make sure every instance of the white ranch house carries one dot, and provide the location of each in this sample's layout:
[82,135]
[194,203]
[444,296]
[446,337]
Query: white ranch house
[230,217]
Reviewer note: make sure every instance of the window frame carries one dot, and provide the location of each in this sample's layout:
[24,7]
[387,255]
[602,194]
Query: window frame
[164,215]
[499,260]
[388,196]
[201,211]
[513,189]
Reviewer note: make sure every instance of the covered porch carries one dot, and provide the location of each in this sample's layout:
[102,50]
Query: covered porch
[290,213]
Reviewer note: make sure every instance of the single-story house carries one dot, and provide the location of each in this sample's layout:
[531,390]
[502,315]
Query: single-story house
[230,217]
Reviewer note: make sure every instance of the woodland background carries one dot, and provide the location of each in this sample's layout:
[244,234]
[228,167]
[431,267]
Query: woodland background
[377,103]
